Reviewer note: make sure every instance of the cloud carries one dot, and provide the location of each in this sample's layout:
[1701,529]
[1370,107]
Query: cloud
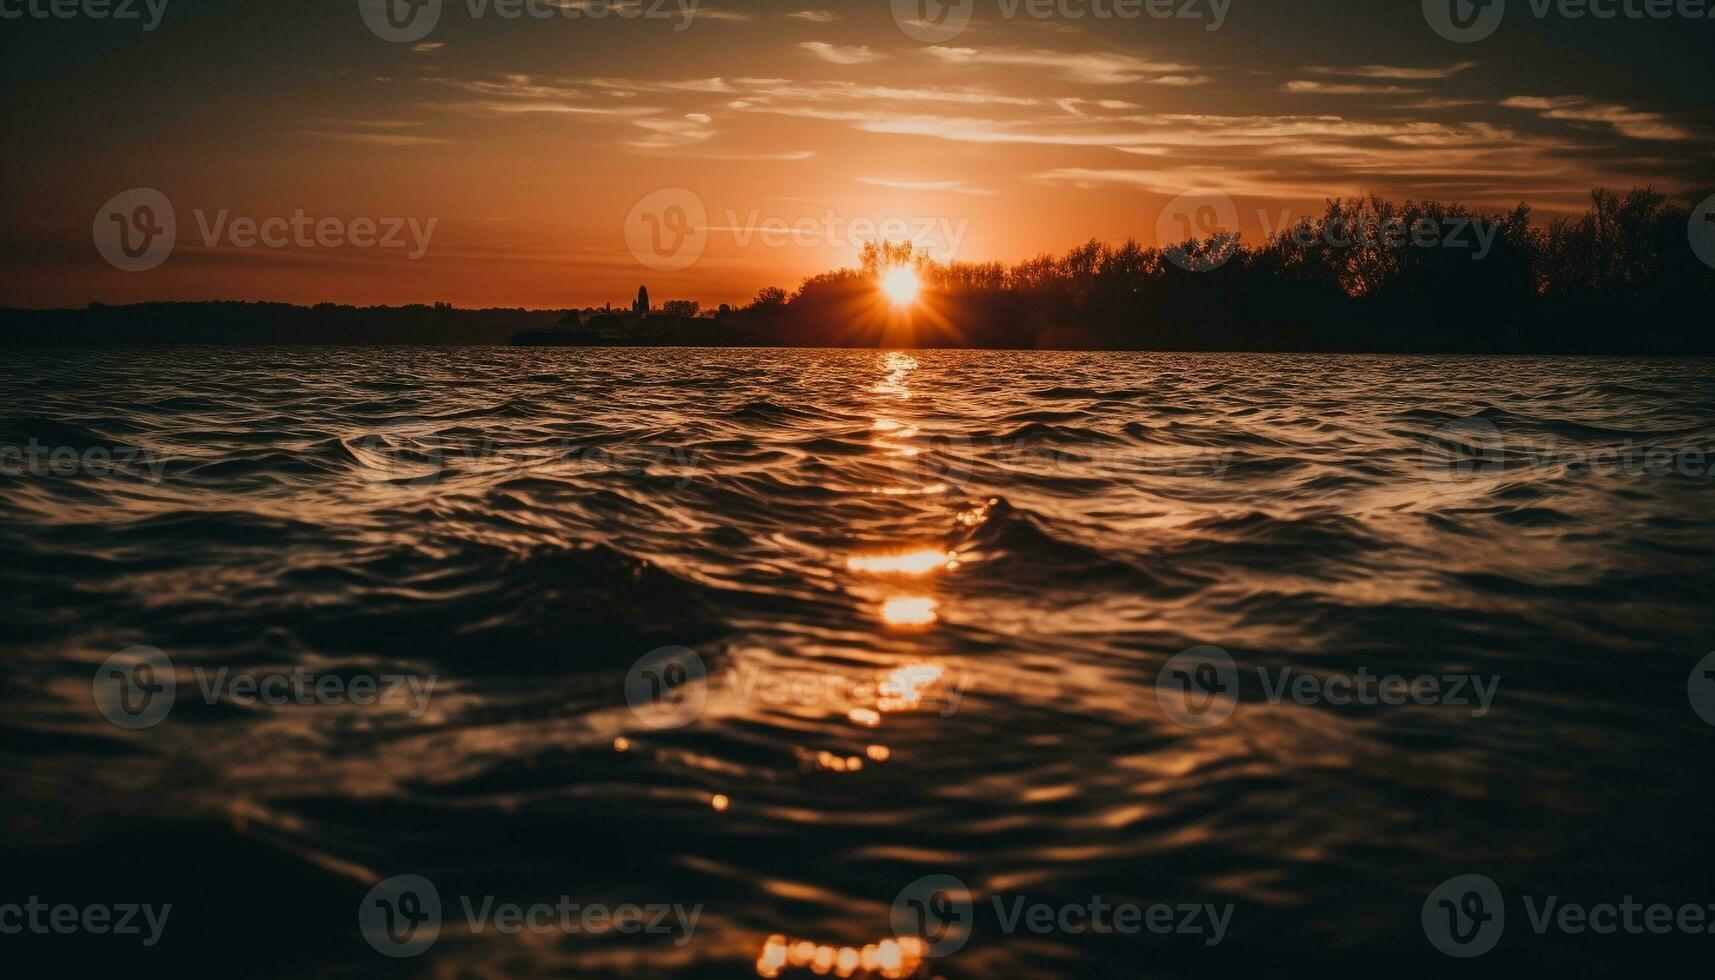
[1435,103]
[1181,81]
[815,16]
[1235,181]
[1071,105]
[783,156]
[1628,122]
[861,55]
[1398,74]
[1093,68]
[938,186]
[715,13]
[373,139]
[759,93]
[693,127]
[370,132]
[1303,87]
[428,46]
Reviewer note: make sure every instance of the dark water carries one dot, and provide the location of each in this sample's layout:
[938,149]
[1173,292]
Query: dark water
[521,526]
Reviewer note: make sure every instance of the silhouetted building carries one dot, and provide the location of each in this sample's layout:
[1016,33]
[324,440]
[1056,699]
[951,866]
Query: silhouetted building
[641,307]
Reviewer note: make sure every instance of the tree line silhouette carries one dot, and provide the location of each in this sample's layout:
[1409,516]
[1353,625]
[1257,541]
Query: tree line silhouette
[1366,275]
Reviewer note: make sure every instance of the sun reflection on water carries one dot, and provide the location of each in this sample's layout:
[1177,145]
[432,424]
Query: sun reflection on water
[903,689]
[891,958]
[909,610]
[919,562]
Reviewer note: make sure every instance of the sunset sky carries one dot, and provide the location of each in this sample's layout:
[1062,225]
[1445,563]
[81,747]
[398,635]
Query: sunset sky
[529,141]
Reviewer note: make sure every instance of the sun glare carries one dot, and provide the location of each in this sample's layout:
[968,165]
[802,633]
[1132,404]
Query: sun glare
[900,285]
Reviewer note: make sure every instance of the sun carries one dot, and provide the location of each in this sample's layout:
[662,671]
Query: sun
[901,285]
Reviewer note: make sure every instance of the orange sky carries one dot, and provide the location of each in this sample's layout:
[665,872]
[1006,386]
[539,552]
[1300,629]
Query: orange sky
[528,142]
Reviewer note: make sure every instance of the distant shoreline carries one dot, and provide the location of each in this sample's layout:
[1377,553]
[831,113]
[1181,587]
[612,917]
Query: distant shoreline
[242,324]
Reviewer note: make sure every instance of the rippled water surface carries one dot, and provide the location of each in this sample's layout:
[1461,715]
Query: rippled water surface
[931,595]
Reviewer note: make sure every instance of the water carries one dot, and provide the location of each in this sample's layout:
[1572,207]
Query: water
[931,596]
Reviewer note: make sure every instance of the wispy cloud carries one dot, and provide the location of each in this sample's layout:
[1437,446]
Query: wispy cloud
[815,16]
[521,94]
[1074,105]
[839,55]
[1235,181]
[759,93]
[1093,68]
[668,133]
[706,12]
[1306,87]
[938,186]
[783,156]
[371,132]
[1395,73]
[1628,122]
[373,139]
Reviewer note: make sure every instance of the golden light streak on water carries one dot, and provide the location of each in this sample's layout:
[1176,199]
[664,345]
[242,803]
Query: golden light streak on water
[909,611]
[894,959]
[920,562]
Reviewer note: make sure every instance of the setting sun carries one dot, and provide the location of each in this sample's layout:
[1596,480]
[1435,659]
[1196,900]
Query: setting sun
[900,285]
